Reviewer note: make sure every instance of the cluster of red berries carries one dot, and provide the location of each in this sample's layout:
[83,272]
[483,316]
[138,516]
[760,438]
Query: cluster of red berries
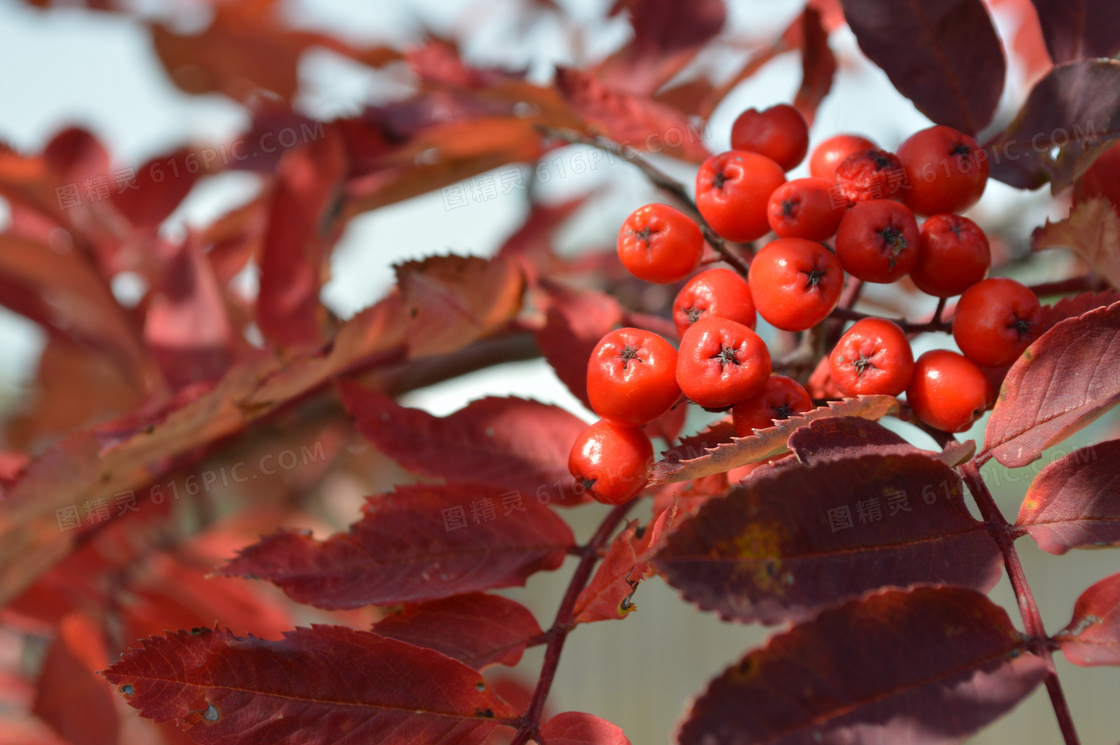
[863,199]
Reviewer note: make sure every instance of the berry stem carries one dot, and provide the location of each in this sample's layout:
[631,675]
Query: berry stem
[1039,642]
[909,327]
[529,728]
[662,181]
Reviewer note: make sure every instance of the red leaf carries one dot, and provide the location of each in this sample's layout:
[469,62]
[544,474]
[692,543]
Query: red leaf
[577,728]
[1063,382]
[1092,231]
[159,186]
[411,545]
[1092,636]
[818,65]
[326,684]
[845,436]
[1075,307]
[455,300]
[718,451]
[944,55]
[1079,28]
[507,443]
[797,538]
[576,321]
[640,123]
[531,244]
[187,325]
[1075,108]
[477,629]
[608,595]
[1072,502]
[300,235]
[930,665]
[69,697]
[667,35]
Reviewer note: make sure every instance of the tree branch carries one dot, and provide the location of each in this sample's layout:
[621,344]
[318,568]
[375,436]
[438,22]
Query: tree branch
[1028,608]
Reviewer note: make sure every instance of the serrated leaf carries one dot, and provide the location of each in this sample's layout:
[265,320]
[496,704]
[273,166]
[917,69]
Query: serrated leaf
[1074,29]
[796,539]
[68,695]
[1072,503]
[326,685]
[1063,382]
[943,55]
[633,121]
[1076,306]
[577,728]
[420,542]
[511,444]
[1092,231]
[452,301]
[924,666]
[844,436]
[694,458]
[1092,636]
[477,629]
[608,596]
[1075,108]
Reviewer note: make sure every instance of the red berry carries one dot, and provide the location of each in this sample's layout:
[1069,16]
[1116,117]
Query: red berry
[660,244]
[795,283]
[878,241]
[779,132]
[953,255]
[611,462]
[718,292]
[779,399]
[872,357]
[948,391]
[721,362]
[946,171]
[732,191]
[870,174]
[632,377]
[809,208]
[996,320]
[832,152]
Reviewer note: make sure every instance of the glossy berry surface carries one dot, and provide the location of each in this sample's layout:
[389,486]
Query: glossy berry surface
[830,153]
[877,241]
[720,293]
[872,357]
[660,244]
[632,377]
[779,132]
[733,190]
[721,362]
[996,320]
[953,255]
[611,463]
[948,391]
[795,283]
[946,171]
[779,399]
[808,208]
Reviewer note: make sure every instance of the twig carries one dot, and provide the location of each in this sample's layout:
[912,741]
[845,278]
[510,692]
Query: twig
[1028,608]
[529,728]
[662,181]
[1084,283]
[909,327]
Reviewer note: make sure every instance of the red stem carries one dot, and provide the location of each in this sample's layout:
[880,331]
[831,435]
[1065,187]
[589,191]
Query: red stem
[529,728]
[1039,644]
[908,326]
[1083,283]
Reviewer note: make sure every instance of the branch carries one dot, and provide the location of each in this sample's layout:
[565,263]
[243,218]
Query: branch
[662,181]
[1084,283]
[909,327]
[589,557]
[1028,608]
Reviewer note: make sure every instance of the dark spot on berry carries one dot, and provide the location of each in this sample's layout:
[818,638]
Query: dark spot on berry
[894,240]
[861,364]
[814,278]
[726,356]
[781,412]
[1022,327]
[789,207]
[694,314]
[629,353]
[644,234]
[718,180]
[961,149]
[587,484]
[881,160]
